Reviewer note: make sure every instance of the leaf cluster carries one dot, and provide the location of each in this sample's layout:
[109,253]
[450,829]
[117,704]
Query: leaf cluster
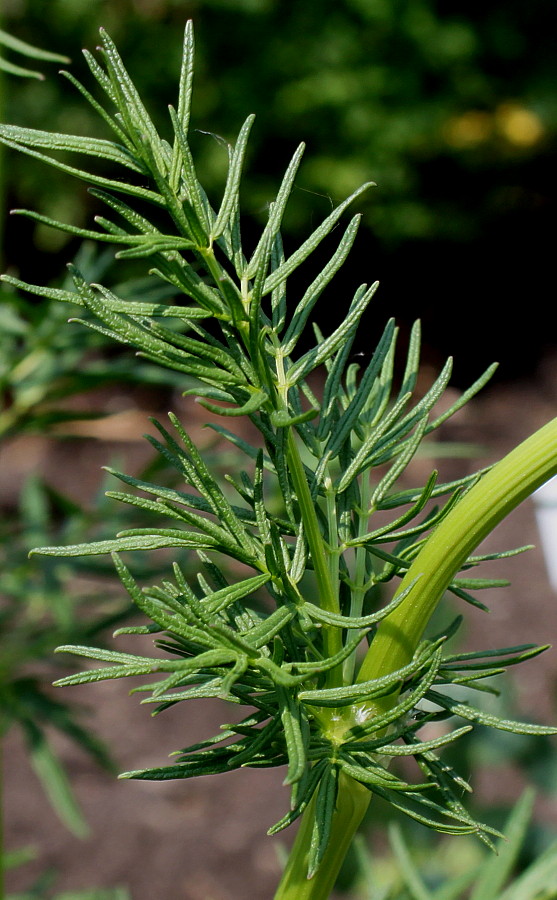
[297,525]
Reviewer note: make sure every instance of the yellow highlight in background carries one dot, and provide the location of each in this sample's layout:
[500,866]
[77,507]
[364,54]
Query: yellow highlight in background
[520,126]
[516,124]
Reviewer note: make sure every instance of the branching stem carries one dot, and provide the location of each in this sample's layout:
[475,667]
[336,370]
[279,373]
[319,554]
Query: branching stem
[328,598]
[493,497]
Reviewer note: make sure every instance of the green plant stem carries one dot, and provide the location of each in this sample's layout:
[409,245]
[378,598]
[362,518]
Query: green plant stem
[360,586]
[493,497]
[328,598]
[352,803]
[327,588]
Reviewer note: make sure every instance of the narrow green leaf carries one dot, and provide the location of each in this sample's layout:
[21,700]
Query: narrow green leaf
[318,285]
[182,118]
[375,775]
[413,805]
[376,723]
[235,165]
[318,666]
[211,490]
[464,398]
[292,263]
[333,390]
[405,455]
[299,558]
[263,524]
[49,140]
[388,447]
[183,164]
[304,797]
[424,746]
[19,46]
[263,634]
[295,727]
[362,458]
[173,496]
[275,215]
[123,187]
[110,656]
[318,355]
[19,71]
[100,110]
[130,106]
[324,811]
[155,541]
[410,377]
[278,295]
[281,419]
[322,615]
[377,687]
[250,406]
[482,718]
[101,77]
[219,600]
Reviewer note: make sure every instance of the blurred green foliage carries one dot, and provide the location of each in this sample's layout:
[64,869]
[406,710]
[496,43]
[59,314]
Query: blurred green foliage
[455,870]
[451,109]
[380,89]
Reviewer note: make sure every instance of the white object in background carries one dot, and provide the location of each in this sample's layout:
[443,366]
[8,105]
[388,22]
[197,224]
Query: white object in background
[545,500]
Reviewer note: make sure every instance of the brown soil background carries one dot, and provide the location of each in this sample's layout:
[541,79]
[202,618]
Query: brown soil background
[205,839]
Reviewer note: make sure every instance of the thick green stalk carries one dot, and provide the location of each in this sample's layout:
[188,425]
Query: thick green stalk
[493,497]
[353,800]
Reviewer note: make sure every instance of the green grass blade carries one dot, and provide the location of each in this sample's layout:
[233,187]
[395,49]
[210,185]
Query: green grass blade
[496,869]
[538,881]
[54,781]
[408,870]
